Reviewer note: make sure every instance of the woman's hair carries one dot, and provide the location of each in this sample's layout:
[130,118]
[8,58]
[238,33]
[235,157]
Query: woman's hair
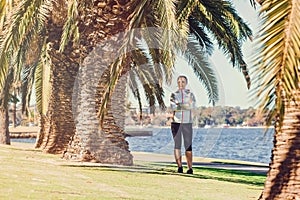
[182,76]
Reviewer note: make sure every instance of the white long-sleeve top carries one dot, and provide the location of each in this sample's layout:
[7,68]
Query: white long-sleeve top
[182,103]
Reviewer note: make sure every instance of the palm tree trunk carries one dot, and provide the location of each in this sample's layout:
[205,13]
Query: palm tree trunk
[108,144]
[58,126]
[44,128]
[4,122]
[14,114]
[283,179]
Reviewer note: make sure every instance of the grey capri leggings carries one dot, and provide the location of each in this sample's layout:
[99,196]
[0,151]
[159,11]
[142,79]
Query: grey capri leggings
[182,130]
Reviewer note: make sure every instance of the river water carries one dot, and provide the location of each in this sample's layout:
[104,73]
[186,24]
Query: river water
[246,144]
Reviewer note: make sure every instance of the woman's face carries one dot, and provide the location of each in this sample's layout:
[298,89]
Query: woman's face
[181,83]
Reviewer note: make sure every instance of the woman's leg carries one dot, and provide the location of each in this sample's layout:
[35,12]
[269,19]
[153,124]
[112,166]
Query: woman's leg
[189,159]
[178,159]
[188,137]
[176,132]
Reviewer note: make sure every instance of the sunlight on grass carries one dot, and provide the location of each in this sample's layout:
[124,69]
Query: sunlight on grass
[30,174]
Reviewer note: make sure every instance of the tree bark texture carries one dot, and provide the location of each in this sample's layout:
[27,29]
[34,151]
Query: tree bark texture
[98,21]
[107,144]
[283,178]
[4,130]
[59,127]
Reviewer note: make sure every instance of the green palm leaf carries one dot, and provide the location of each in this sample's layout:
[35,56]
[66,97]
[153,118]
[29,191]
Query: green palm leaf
[5,94]
[70,29]
[27,22]
[276,71]
[228,29]
[6,7]
[165,32]
[202,69]
[197,29]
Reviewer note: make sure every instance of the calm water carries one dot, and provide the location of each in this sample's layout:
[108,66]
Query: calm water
[228,143]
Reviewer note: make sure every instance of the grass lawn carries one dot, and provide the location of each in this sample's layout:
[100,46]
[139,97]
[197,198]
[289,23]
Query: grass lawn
[30,174]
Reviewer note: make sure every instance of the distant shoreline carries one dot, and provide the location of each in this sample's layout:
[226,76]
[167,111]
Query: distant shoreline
[220,127]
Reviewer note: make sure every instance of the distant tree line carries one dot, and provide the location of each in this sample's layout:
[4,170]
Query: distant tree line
[231,116]
[212,116]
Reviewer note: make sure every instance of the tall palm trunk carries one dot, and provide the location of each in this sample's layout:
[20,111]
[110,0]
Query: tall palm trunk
[283,179]
[58,125]
[4,130]
[107,144]
[94,27]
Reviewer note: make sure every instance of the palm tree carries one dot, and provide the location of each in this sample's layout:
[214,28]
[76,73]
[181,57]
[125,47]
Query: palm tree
[108,144]
[84,143]
[89,28]
[58,124]
[7,80]
[4,98]
[276,77]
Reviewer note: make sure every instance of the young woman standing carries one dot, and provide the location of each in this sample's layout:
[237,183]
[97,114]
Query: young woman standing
[182,103]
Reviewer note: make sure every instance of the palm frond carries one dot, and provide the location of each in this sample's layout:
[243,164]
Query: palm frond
[197,29]
[198,61]
[165,32]
[152,89]
[149,75]
[156,69]
[229,30]
[184,10]
[139,14]
[37,75]
[26,87]
[236,24]
[170,32]
[150,96]
[253,3]
[42,81]
[6,7]
[28,52]
[159,93]
[27,22]
[109,83]
[70,29]
[133,85]
[161,31]
[153,45]
[277,59]
[5,91]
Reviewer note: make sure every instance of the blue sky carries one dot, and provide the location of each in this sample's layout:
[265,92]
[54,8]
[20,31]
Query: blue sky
[233,88]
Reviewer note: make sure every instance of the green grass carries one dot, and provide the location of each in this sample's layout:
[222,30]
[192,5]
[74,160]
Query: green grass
[235,176]
[30,174]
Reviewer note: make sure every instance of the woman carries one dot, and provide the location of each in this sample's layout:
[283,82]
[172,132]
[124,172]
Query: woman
[182,103]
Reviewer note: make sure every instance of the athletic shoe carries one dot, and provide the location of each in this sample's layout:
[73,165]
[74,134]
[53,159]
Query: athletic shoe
[180,170]
[190,171]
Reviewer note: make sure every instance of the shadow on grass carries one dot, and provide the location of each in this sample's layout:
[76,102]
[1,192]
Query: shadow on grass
[227,175]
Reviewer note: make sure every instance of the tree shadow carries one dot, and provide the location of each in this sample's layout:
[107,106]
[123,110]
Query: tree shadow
[233,176]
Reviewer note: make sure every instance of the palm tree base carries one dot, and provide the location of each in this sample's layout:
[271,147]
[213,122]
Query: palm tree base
[100,150]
